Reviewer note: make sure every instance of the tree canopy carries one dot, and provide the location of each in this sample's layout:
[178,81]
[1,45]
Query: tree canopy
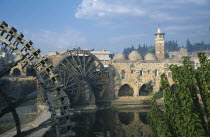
[197,46]
[183,115]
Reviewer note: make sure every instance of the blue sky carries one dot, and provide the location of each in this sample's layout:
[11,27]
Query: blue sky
[106,24]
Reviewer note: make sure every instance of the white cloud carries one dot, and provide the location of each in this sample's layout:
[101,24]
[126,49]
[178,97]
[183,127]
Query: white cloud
[101,8]
[158,10]
[57,41]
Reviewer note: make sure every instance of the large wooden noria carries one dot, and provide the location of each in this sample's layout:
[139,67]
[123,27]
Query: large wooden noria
[56,97]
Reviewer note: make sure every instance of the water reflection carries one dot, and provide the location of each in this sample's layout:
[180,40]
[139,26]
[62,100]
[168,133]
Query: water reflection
[143,117]
[111,123]
[126,117]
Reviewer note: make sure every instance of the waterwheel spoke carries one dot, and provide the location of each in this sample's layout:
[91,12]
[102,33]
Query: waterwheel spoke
[80,64]
[89,73]
[96,75]
[70,80]
[75,62]
[84,63]
[68,68]
[89,59]
[72,66]
[72,84]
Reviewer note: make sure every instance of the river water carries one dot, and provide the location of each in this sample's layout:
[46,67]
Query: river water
[112,123]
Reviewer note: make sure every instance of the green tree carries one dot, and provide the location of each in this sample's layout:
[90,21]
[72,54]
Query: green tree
[151,49]
[171,46]
[189,46]
[183,116]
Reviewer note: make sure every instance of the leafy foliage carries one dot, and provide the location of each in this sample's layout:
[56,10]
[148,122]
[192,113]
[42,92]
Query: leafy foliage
[183,115]
[171,46]
[197,46]
[158,94]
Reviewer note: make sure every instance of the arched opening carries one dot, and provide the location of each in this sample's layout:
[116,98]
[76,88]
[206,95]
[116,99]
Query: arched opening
[123,74]
[16,72]
[146,89]
[142,91]
[143,117]
[125,90]
[126,117]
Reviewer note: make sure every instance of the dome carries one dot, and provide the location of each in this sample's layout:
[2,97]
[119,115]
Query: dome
[135,55]
[119,56]
[150,56]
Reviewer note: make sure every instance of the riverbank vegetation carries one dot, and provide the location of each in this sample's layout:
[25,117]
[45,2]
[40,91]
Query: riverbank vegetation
[187,108]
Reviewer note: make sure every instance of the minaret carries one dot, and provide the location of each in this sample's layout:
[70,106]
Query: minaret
[159,45]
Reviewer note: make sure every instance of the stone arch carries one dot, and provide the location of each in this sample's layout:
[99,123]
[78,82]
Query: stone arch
[146,89]
[125,90]
[123,74]
[126,118]
[143,117]
[142,90]
[16,72]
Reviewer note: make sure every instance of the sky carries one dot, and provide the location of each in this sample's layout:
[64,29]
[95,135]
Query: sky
[58,25]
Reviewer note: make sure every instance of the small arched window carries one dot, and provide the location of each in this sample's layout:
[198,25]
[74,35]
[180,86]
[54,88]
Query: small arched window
[140,73]
[123,74]
[156,73]
[132,71]
[16,72]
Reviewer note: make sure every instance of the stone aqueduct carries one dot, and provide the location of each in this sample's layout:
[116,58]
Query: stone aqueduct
[126,76]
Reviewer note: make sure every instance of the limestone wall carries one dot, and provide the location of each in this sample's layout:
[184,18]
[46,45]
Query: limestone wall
[135,74]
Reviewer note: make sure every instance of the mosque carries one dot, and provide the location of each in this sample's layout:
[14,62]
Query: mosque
[129,77]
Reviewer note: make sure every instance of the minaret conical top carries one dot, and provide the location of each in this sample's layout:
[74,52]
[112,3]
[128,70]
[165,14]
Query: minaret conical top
[158,30]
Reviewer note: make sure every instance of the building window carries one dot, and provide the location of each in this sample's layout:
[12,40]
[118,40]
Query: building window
[140,73]
[132,71]
[16,72]
[156,73]
[123,74]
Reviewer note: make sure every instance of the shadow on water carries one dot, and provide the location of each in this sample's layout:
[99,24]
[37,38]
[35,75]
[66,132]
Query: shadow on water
[111,123]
